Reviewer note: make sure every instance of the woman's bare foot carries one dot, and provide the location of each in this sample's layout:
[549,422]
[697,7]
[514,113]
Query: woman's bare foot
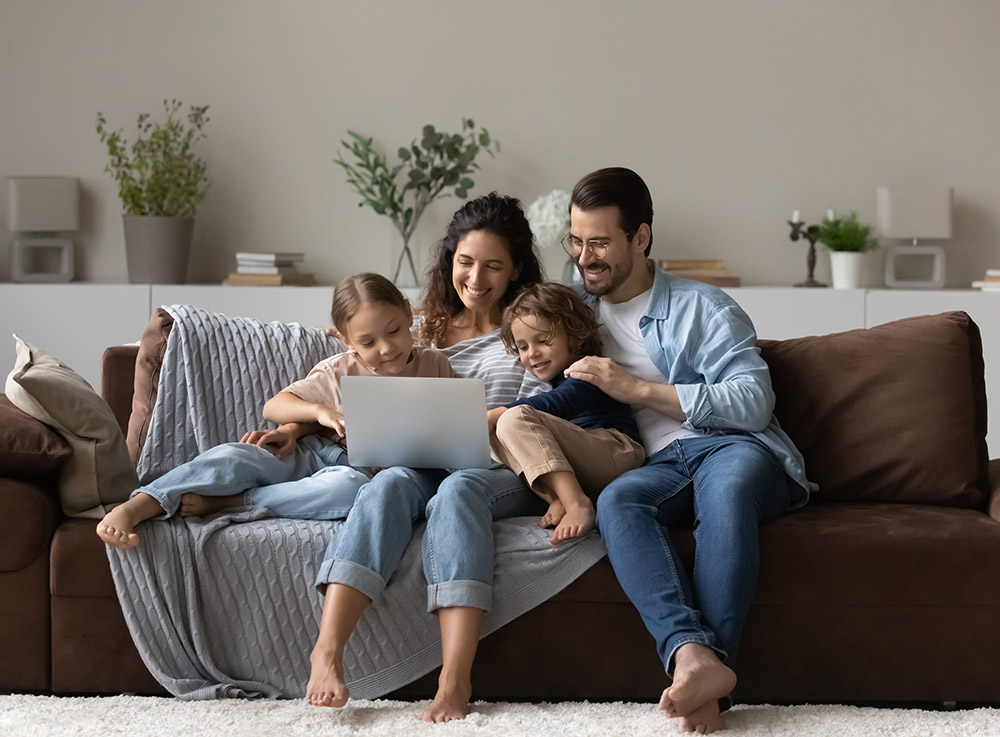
[554,515]
[703,720]
[579,520]
[700,680]
[116,529]
[449,703]
[196,505]
[327,686]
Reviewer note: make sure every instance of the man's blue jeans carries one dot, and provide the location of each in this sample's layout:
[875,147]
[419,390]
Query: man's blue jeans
[724,486]
[315,482]
[458,542]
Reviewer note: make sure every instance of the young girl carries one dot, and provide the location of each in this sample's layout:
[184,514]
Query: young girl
[311,478]
[568,443]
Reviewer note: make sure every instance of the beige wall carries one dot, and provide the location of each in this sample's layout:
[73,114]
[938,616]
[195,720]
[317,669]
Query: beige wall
[734,112]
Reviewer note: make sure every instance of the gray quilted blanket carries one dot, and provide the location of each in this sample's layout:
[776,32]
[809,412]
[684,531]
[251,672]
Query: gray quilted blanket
[225,606]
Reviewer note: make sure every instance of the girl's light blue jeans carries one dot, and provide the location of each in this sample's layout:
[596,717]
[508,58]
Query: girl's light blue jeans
[315,482]
[457,545]
[722,486]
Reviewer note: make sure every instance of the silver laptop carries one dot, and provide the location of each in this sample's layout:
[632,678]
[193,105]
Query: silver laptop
[415,422]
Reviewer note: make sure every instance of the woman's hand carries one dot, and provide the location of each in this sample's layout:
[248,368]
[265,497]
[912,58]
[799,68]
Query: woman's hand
[279,443]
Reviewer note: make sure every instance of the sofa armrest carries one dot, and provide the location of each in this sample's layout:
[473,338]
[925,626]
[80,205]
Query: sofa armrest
[994,508]
[118,381]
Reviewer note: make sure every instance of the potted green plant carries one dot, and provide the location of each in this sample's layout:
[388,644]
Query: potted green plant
[427,168]
[161,183]
[847,240]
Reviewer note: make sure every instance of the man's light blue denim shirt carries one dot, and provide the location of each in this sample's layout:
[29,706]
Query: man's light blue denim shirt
[705,345]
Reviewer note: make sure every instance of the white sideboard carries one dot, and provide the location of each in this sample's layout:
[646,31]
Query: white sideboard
[77,321]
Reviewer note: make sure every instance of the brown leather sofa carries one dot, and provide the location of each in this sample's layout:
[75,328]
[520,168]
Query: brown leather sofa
[885,588]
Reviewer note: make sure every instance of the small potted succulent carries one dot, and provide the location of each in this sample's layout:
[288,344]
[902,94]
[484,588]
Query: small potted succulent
[847,240]
[161,183]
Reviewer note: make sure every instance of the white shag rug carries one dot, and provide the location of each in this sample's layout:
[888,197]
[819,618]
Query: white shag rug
[138,716]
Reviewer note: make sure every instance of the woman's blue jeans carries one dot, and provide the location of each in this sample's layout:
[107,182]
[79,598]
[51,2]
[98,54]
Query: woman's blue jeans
[457,546]
[315,482]
[722,486]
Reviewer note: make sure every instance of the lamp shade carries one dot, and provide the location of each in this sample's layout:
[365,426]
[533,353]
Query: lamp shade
[43,204]
[914,212]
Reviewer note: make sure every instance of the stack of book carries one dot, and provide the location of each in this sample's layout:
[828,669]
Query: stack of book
[269,270]
[990,281]
[709,270]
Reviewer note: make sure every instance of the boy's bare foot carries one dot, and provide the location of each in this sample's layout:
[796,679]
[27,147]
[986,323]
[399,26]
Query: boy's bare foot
[700,680]
[449,704]
[327,686]
[579,520]
[116,529]
[554,515]
[196,505]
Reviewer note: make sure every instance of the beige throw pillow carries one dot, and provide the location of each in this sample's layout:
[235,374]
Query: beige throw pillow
[99,474]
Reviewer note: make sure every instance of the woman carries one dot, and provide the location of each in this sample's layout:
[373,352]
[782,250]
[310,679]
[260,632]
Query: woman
[485,258]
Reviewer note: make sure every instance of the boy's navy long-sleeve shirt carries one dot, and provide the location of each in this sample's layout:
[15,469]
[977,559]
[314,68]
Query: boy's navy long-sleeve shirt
[583,404]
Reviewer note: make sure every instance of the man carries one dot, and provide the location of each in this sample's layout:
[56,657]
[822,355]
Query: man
[683,354]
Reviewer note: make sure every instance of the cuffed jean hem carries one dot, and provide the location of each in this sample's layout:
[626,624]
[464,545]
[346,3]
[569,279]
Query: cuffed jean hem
[163,500]
[460,593]
[346,572]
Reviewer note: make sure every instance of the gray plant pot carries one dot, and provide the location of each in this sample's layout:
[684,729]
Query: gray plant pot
[157,248]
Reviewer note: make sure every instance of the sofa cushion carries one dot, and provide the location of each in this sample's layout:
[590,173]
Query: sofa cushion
[98,474]
[147,378]
[894,413]
[28,448]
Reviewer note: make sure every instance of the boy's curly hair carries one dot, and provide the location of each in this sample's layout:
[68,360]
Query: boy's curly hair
[564,310]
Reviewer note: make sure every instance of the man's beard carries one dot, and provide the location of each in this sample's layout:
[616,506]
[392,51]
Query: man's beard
[619,275]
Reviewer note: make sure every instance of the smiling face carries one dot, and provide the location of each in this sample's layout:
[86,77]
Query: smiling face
[482,269]
[543,351]
[380,334]
[621,272]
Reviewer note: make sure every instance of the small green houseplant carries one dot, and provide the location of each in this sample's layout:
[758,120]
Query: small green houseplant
[847,234]
[438,162]
[161,183]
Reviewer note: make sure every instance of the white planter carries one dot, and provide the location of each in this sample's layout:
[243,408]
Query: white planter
[846,268]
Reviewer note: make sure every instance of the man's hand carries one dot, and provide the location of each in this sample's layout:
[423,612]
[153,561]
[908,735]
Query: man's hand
[280,443]
[331,419]
[609,377]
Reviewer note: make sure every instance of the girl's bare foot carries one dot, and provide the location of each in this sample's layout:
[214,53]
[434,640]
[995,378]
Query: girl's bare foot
[116,529]
[196,505]
[578,521]
[554,515]
[449,703]
[703,720]
[327,686]
[700,680]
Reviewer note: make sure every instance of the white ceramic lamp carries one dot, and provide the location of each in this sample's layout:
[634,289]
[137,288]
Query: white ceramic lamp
[914,214]
[46,206]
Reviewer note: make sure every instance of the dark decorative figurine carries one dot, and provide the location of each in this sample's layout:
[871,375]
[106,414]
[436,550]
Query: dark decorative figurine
[811,234]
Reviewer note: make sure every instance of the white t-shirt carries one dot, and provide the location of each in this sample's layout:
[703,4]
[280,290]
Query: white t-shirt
[623,343]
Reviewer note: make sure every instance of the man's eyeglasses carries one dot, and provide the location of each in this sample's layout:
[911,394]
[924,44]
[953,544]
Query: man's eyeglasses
[599,246]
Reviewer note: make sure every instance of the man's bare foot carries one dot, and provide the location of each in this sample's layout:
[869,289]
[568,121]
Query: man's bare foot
[579,520]
[196,505]
[703,720]
[700,680]
[554,515]
[116,529]
[327,686]
[449,704]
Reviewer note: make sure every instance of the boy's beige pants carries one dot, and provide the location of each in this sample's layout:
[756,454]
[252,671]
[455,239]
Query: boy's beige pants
[532,443]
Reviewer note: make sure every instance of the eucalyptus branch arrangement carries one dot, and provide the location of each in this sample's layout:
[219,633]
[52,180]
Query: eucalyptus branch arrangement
[426,169]
[846,234]
[159,174]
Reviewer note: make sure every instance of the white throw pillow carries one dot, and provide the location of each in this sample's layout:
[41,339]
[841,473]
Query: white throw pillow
[99,474]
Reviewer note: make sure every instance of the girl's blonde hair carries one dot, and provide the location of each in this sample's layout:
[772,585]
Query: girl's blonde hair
[564,310]
[354,291]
